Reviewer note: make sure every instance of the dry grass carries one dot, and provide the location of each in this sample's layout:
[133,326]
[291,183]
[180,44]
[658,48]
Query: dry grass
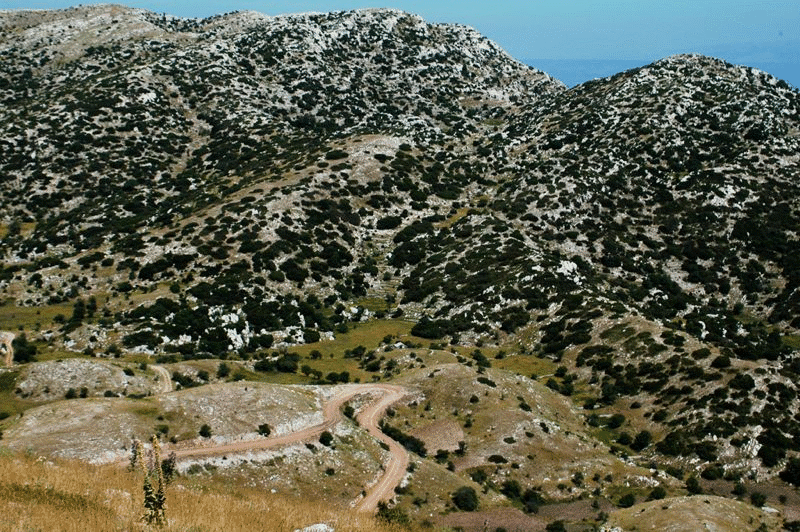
[9,402]
[792,340]
[369,334]
[16,318]
[700,512]
[460,213]
[524,364]
[52,495]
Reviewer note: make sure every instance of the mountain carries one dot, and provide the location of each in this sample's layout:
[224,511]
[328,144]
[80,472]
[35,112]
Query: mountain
[247,187]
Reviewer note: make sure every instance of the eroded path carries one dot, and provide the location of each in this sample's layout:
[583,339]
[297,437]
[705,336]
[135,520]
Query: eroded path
[369,417]
[164,377]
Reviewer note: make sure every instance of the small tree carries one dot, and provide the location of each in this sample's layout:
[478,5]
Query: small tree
[205,431]
[722,361]
[264,429]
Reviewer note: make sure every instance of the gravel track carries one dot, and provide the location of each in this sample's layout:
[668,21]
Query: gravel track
[368,418]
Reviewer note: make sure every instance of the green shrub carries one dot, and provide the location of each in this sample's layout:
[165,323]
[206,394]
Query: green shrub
[693,486]
[642,440]
[713,472]
[392,515]
[791,473]
[326,438]
[616,421]
[627,500]
[411,443]
[722,361]
[465,499]
[758,499]
[24,351]
[336,154]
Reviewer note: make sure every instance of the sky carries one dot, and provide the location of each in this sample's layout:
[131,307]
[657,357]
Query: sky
[570,33]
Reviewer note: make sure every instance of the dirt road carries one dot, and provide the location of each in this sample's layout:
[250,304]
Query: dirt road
[395,469]
[368,418]
[166,379]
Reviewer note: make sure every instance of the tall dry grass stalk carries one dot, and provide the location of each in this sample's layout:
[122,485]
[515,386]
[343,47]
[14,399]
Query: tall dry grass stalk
[155,496]
[56,495]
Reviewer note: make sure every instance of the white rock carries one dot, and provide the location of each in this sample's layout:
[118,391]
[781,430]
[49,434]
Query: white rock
[321,527]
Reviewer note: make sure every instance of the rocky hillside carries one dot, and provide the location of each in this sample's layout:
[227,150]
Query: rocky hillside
[178,114]
[220,188]
[130,156]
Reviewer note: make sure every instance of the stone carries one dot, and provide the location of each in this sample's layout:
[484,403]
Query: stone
[6,339]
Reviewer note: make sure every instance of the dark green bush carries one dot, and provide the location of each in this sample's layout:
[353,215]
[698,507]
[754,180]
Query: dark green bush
[642,440]
[465,499]
[791,473]
[693,486]
[627,500]
[758,499]
[326,438]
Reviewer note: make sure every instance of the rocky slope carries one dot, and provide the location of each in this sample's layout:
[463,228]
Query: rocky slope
[228,186]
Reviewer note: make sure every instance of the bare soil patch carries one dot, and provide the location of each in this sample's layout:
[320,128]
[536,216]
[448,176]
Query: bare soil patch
[444,434]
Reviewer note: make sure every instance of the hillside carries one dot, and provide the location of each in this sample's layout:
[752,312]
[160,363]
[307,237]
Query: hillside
[363,196]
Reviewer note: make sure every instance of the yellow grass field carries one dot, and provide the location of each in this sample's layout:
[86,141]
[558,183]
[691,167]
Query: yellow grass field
[54,495]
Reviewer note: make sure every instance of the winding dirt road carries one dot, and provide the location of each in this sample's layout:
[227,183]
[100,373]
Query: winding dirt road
[368,418]
[395,469]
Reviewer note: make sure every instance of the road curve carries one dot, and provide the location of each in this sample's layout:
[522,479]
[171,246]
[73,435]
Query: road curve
[394,470]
